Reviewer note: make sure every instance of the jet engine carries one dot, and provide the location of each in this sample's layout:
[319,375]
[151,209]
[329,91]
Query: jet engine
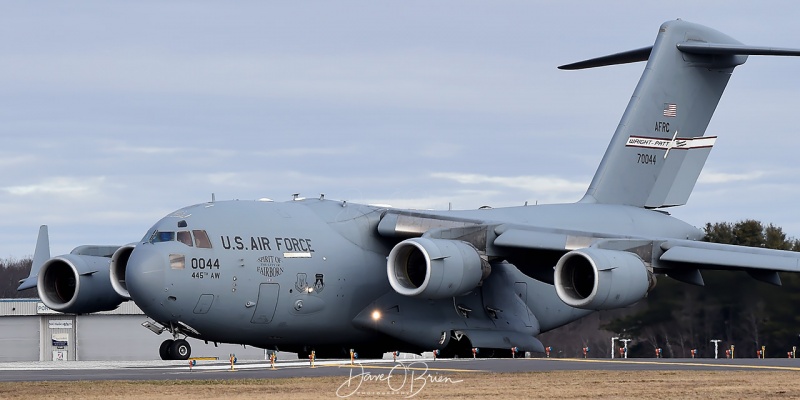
[119,264]
[597,279]
[77,283]
[435,268]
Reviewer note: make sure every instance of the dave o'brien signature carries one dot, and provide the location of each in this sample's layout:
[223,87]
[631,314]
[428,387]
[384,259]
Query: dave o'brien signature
[406,379]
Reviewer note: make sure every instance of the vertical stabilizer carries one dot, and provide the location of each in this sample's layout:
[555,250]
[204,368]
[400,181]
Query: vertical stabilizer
[659,147]
[40,255]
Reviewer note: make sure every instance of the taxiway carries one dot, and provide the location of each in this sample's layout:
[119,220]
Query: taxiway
[180,370]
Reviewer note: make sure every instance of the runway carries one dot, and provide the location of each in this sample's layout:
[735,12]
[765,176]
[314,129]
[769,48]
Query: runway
[259,369]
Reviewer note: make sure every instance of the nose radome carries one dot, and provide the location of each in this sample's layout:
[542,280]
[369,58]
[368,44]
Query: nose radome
[145,275]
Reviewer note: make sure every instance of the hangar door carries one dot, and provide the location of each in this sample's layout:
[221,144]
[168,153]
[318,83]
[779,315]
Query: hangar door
[116,337]
[58,337]
[19,338]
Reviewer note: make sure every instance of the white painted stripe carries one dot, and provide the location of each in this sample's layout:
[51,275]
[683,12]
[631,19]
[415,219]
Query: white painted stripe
[297,255]
[666,144]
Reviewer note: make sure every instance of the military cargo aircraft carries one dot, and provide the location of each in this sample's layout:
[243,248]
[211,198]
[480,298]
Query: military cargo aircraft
[314,274]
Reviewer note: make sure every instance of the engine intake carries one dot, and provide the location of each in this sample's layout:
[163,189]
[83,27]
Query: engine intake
[78,284]
[435,268]
[597,279]
[119,264]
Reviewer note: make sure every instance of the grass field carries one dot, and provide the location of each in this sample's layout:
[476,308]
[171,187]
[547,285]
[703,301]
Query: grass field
[544,385]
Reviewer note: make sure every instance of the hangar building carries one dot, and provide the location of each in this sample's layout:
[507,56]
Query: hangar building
[29,331]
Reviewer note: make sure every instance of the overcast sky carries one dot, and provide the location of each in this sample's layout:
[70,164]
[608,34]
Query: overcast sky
[113,114]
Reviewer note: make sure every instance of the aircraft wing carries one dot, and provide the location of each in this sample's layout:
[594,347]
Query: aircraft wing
[725,256]
[677,258]
[535,250]
[404,224]
[532,238]
[674,252]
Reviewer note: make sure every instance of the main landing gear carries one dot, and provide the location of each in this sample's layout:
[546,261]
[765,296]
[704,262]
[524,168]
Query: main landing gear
[177,349]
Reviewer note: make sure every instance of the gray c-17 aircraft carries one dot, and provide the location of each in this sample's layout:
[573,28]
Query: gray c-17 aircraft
[328,276]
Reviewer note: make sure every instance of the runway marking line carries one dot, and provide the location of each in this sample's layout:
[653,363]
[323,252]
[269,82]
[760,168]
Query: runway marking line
[685,364]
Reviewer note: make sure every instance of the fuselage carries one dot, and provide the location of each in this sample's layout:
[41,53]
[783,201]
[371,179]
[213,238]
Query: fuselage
[292,274]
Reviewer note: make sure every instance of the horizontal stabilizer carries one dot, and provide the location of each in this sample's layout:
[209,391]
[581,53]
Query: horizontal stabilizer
[734,49]
[626,57]
[643,54]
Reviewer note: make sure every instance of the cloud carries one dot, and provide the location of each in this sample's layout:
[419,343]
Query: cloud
[416,201]
[531,183]
[9,159]
[309,151]
[393,77]
[171,150]
[722,177]
[63,186]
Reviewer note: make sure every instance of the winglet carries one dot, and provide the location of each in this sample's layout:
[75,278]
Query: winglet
[40,255]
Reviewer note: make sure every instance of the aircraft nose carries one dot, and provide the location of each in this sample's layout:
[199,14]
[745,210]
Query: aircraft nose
[145,275]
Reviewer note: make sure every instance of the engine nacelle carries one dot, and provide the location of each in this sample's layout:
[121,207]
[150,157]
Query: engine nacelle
[597,279]
[119,264]
[74,283]
[435,268]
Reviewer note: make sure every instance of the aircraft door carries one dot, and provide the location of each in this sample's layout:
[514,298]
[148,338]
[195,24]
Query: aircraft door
[204,304]
[266,304]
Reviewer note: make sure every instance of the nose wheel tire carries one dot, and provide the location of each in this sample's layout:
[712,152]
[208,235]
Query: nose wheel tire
[180,350]
[175,350]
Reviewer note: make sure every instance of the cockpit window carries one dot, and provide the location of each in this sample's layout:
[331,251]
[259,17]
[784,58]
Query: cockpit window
[201,237]
[162,236]
[185,237]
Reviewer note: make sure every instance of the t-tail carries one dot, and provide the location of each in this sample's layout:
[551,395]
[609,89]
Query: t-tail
[660,147]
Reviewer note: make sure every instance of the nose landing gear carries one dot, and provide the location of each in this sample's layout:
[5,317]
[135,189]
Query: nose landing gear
[177,349]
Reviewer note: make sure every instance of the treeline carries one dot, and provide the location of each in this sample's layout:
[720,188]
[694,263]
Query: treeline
[11,272]
[750,233]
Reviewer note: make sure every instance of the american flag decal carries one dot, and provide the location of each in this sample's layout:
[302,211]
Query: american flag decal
[670,110]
